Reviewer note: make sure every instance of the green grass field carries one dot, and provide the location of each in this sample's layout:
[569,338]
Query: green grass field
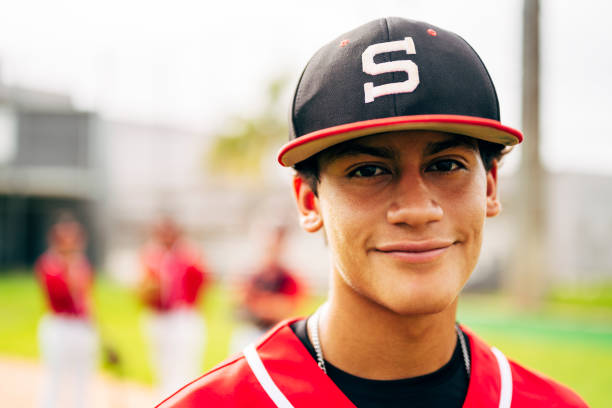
[569,339]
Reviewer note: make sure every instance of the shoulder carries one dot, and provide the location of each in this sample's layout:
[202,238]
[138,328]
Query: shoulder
[535,388]
[232,383]
[187,250]
[49,264]
[226,385]
[527,388]
[83,264]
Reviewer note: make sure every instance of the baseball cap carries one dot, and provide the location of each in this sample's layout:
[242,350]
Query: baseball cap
[392,74]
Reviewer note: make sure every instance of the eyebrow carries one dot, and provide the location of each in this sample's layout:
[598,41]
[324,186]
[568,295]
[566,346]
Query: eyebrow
[355,149]
[437,147]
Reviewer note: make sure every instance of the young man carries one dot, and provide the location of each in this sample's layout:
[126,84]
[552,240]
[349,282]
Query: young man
[395,140]
[271,293]
[67,337]
[174,278]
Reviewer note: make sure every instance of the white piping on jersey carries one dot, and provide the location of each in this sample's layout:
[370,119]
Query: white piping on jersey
[505,394]
[264,379]
[279,399]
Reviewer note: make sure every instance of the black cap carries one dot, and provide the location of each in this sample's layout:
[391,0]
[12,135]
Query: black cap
[392,74]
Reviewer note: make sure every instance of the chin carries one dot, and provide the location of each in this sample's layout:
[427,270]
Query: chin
[419,301]
[411,308]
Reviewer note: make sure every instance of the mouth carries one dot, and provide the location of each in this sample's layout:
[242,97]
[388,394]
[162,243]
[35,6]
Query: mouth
[415,251]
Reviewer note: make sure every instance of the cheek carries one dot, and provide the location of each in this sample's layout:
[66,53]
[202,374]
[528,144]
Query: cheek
[340,219]
[467,209]
[349,217]
[348,222]
[467,198]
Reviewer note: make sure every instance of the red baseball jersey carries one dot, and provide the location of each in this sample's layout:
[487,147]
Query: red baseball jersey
[279,372]
[66,285]
[276,279]
[177,274]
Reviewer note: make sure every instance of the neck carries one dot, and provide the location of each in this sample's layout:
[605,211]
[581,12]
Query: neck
[368,340]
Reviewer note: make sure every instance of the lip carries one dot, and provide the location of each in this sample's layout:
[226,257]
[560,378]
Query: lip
[415,251]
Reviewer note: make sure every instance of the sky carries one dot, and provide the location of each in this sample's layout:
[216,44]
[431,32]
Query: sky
[195,64]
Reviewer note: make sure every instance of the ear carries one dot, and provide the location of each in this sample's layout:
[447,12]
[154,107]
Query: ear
[307,204]
[493,204]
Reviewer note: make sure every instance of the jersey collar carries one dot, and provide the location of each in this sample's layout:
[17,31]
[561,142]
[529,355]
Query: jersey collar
[294,374]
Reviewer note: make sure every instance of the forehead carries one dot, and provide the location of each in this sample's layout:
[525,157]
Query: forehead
[391,145]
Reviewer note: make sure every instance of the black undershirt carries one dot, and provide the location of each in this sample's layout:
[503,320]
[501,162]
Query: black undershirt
[444,388]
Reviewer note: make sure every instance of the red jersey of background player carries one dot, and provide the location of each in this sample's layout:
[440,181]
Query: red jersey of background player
[272,292]
[173,272]
[64,272]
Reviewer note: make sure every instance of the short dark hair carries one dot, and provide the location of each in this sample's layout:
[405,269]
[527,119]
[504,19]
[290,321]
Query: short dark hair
[309,169]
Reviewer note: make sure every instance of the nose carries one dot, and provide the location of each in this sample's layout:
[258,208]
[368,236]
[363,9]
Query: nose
[413,203]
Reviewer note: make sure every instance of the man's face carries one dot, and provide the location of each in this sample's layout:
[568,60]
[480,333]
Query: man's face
[403,214]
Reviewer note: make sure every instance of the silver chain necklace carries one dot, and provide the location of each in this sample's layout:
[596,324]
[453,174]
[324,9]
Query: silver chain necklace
[314,333]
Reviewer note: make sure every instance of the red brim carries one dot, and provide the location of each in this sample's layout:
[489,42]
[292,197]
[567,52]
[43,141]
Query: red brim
[480,128]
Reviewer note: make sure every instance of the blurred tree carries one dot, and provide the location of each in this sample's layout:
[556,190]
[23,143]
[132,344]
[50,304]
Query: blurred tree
[239,152]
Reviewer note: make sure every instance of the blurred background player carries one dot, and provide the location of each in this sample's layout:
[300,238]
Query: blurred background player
[172,281]
[270,294]
[68,341]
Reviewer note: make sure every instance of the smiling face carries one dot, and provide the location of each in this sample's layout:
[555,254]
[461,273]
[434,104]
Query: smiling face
[403,214]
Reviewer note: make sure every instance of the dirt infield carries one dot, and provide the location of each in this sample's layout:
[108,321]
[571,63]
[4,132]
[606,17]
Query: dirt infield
[21,380]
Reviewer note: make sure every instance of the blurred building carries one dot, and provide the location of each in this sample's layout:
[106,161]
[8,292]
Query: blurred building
[49,163]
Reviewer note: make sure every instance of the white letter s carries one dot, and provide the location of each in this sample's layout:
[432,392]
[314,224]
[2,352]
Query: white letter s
[370,67]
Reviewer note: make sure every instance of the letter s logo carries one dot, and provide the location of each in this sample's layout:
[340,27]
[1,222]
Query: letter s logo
[370,67]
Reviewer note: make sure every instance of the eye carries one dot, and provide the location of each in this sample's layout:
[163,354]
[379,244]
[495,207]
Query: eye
[368,170]
[446,166]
